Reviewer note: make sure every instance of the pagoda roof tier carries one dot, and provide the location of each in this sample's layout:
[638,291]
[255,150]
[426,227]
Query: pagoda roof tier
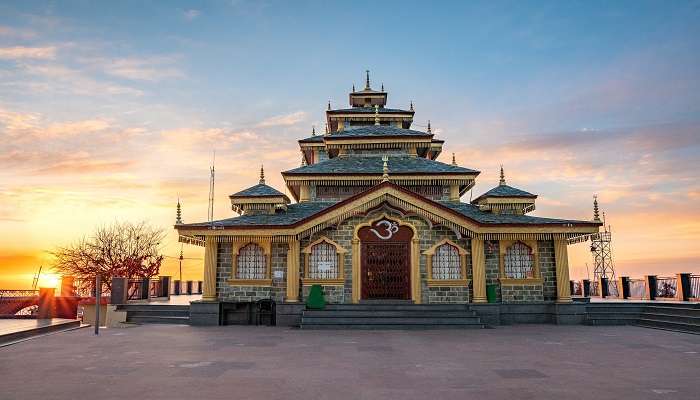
[305,218]
[377,131]
[369,110]
[373,165]
[259,190]
[505,191]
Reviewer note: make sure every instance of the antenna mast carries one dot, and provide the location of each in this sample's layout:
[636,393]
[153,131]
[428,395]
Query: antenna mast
[601,250]
[210,211]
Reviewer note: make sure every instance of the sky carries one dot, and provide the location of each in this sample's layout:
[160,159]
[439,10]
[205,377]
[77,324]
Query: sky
[110,111]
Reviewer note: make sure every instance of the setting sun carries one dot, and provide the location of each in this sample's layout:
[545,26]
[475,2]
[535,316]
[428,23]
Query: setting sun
[49,281]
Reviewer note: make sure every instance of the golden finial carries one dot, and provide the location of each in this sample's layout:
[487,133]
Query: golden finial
[382,86]
[353,88]
[262,175]
[367,82]
[385,168]
[454,161]
[429,130]
[178,213]
[411,108]
[376,115]
[503,177]
[313,130]
[596,211]
[329,104]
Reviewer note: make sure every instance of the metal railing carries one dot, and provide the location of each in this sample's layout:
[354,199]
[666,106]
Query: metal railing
[576,288]
[595,289]
[666,287]
[638,288]
[11,293]
[695,287]
[612,288]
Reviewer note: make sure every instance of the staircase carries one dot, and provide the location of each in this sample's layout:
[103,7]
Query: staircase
[391,315]
[680,317]
[156,314]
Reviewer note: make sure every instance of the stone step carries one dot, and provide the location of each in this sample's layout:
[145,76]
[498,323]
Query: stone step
[393,326]
[613,315]
[387,314]
[687,311]
[672,318]
[154,319]
[160,313]
[391,321]
[672,326]
[397,307]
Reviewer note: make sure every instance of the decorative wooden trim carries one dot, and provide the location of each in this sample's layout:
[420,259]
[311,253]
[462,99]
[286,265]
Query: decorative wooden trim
[338,248]
[356,269]
[527,281]
[448,282]
[324,282]
[250,282]
[431,250]
[504,245]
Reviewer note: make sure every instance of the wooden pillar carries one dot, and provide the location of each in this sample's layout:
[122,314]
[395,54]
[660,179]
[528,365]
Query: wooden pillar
[478,270]
[415,271]
[304,193]
[209,290]
[454,192]
[356,270]
[561,260]
[293,271]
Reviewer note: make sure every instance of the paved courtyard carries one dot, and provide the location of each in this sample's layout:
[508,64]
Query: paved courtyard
[518,362]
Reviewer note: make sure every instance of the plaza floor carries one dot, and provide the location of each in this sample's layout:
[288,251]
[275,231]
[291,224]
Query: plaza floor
[243,362]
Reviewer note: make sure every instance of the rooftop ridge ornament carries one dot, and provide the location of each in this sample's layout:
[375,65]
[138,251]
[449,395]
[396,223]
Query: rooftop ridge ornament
[503,177]
[411,107]
[382,86]
[178,213]
[353,88]
[429,129]
[262,175]
[313,130]
[454,161]
[329,105]
[367,87]
[376,115]
[596,211]
[385,168]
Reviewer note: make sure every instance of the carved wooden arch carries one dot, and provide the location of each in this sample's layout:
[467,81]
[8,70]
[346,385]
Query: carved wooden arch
[430,252]
[266,246]
[340,252]
[504,245]
[415,258]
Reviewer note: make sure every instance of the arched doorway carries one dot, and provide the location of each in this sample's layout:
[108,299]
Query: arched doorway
[385,262]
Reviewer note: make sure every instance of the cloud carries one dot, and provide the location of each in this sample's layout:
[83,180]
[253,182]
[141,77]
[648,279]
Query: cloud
[62,79]
[191,14]
[7,31]
[142,69]
[283,120]
[83,165]
[21,52]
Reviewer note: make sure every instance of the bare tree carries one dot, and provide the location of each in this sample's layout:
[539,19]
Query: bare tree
[122,249]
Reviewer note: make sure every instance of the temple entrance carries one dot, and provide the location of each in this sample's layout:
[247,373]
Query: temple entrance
[386,260]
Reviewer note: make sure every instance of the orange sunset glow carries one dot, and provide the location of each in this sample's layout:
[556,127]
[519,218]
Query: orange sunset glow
[100,124]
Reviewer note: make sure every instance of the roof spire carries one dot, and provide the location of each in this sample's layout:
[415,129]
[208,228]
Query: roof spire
[376,115]
[382,86]
[454,161]
[329,104]
[596,212]
[503,177]
[367,82]
[313,130]
[385,168]
[429,130]
[411,108]
[353,88]
[178,213]
[262,175]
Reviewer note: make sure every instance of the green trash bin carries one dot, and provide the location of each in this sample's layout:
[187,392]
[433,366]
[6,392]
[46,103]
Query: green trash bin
[491,293]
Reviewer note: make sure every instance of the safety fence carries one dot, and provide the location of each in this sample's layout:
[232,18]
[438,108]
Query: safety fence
[682,287]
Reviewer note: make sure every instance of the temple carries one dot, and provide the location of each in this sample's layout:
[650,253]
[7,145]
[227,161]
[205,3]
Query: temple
[373,214]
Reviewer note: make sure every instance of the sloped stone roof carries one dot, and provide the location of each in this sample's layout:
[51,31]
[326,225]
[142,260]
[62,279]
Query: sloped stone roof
[369,110]
[259,190]
[505,191]
[374,165]
[295,213]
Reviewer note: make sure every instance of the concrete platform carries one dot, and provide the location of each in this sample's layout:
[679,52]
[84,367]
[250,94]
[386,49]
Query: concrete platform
[248,362]
[12,330]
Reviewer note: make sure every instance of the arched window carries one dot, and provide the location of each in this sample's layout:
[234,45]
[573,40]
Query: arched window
[446,262]
[323,261]
[519,262]
[250,263]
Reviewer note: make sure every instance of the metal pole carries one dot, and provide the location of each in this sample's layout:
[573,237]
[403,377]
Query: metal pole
[98,295]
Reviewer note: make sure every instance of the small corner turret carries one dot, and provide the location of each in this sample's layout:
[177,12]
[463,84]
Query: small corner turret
[259,199]
[504,199]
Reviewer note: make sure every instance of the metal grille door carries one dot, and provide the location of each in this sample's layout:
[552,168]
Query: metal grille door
[385,271]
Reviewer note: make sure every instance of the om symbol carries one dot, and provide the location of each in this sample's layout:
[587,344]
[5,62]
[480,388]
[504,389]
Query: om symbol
[389,227]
